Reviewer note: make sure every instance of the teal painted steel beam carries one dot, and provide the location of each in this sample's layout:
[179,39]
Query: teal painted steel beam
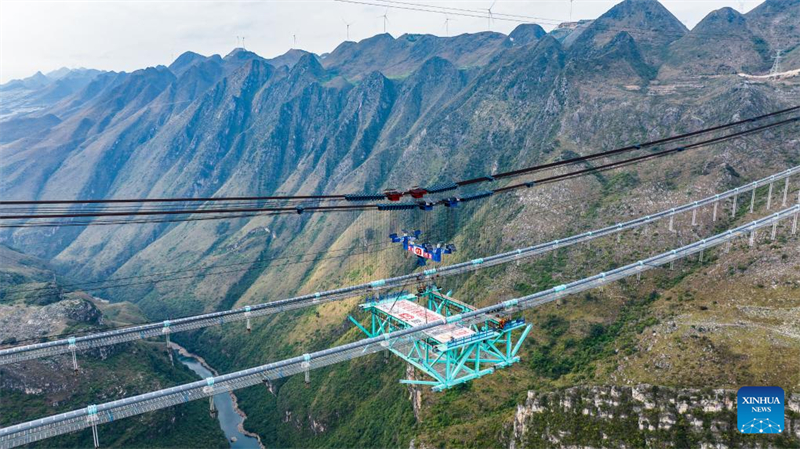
[411,351]
[430,372]
[493,350]
[464,379]
[506,363]
[483,359]
[521,339]
[464,357]
[419,382]
[441,354]
[420,355]
[447,366]
[363,329]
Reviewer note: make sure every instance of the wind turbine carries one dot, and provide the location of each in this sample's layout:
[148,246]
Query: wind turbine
[570,10]
[348,27]
[385,19]
[490,17]
[447,20]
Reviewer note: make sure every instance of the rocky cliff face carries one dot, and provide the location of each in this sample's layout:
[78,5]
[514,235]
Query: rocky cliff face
[639,416]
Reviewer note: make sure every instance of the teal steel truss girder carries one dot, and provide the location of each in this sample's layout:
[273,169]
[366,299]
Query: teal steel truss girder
[490,345]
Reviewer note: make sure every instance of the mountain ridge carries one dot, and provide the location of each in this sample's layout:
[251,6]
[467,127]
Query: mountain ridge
[697,52]
[651,25]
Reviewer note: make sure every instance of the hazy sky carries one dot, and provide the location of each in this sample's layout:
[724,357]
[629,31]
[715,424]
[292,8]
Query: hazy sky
[132,34]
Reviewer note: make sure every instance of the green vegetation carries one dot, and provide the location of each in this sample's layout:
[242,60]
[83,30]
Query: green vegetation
[538,274]
[554,359]
[128,371]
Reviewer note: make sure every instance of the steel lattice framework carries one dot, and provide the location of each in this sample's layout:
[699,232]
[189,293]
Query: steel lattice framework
[449,358]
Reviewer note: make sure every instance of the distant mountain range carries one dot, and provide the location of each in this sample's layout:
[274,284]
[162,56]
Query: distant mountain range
[749,41]
[18,97]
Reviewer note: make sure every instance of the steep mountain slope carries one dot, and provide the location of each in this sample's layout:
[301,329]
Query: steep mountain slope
[100,85]
[185,61]
[20,272]
[651,26]
[778,23]
[357,118]
[698,53]
[791,61]
[567,33]
[619,60]
[525,34]
[103,126]
[288,59]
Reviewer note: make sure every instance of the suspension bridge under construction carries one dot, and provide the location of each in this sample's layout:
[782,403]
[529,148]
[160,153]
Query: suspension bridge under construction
[397,341]
[445,338]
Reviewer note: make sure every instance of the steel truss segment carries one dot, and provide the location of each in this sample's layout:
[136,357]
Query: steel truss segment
[489,344]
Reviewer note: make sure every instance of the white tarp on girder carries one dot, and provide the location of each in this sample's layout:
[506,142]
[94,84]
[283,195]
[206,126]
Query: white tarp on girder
[416,315]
